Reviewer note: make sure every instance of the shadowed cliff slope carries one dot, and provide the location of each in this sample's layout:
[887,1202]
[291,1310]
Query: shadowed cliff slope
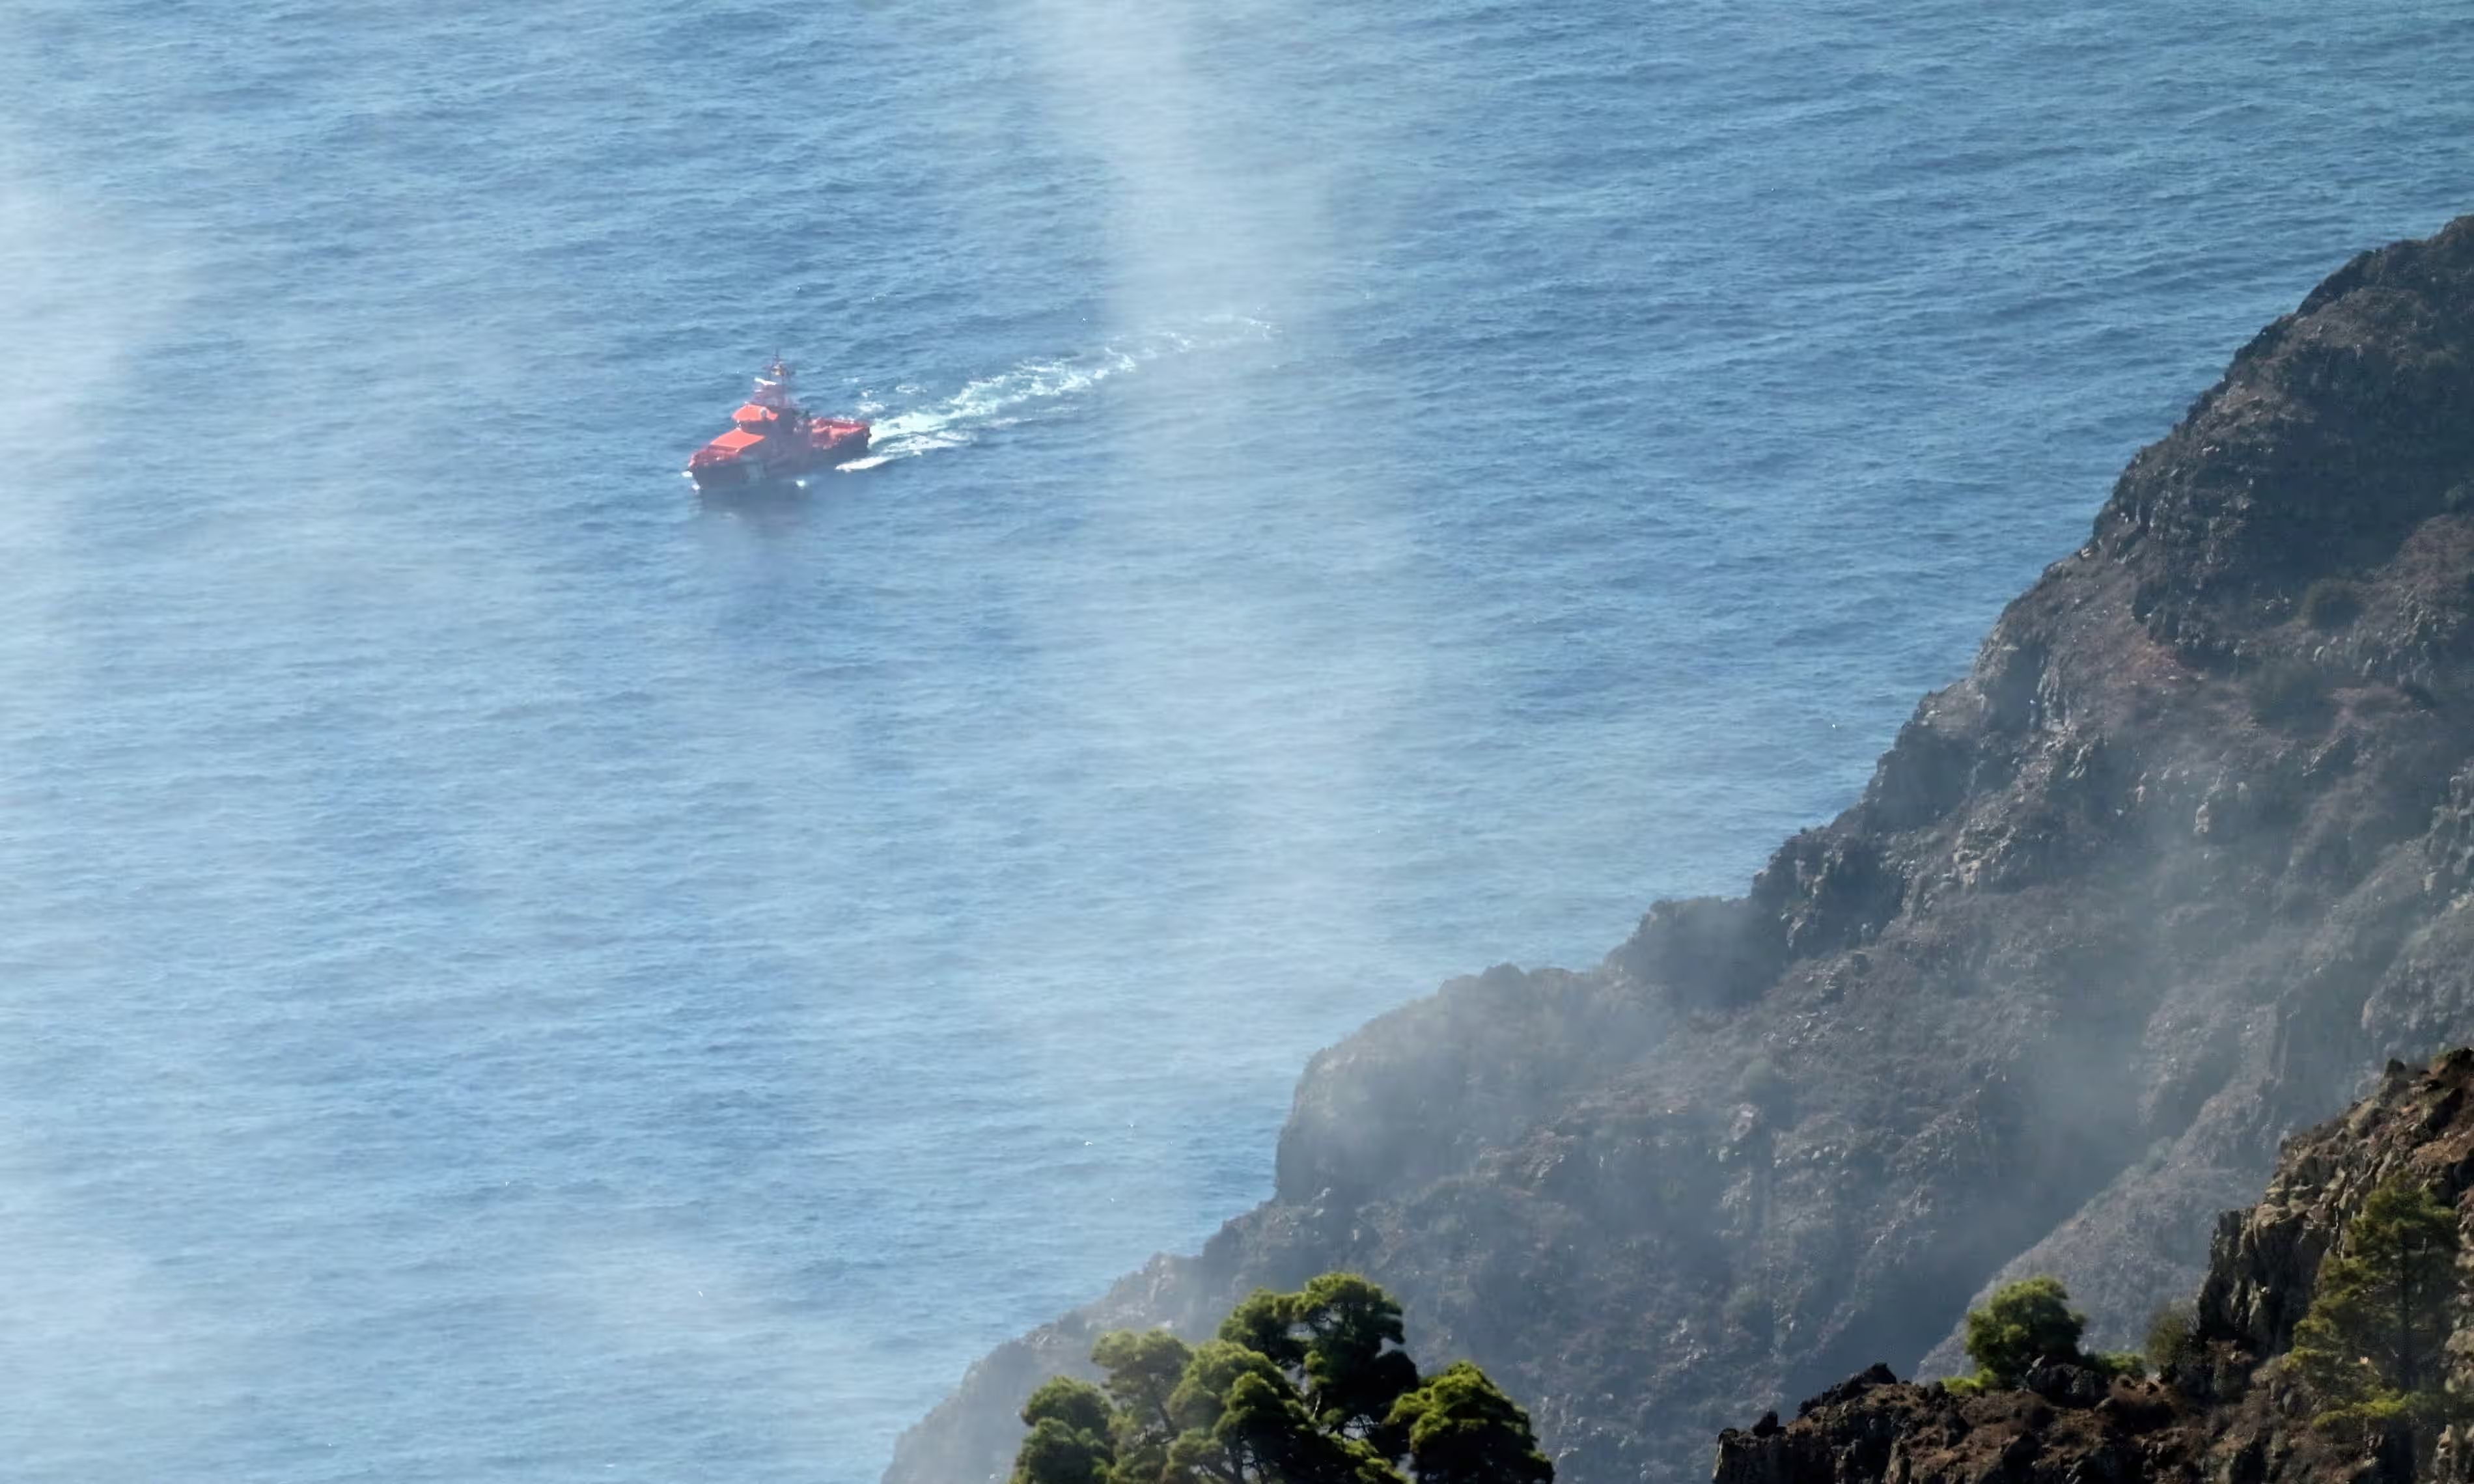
[2191,844]
[2219,1413]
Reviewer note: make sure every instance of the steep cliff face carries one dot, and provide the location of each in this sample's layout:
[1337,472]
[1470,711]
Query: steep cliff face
[2226,1412]
[2191,844]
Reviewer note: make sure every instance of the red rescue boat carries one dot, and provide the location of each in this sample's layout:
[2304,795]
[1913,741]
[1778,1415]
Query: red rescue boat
[774,441]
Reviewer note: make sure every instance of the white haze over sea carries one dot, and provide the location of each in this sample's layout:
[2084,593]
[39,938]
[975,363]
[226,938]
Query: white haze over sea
[507,976]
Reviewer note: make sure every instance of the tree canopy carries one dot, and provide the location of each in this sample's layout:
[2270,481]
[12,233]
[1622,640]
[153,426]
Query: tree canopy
[2379,1316]
[1311,1387]
[2026,1322]
[1463,1429]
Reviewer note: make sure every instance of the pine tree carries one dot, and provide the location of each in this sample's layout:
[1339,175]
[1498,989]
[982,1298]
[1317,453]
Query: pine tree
[1309,1387]
[1463,1429]
[1144,1368]
[2380,1314]
[1070,1423]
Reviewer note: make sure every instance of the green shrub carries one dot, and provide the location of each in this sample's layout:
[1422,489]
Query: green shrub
[2331,603]
[1763,1085]
[2286,689]
[1965,1385]
[1748,1309]
[2026,1322]
[2172,1336]
[2120,1364]
[2357,1421]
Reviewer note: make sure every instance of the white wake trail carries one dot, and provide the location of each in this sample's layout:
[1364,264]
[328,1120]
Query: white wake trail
[1002,399]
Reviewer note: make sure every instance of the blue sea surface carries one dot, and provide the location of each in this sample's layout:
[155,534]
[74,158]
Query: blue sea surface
[509,974]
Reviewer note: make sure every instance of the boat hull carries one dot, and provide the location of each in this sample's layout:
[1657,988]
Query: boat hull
[827,445]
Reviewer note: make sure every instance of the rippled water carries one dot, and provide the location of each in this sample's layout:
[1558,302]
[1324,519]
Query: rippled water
[507,975]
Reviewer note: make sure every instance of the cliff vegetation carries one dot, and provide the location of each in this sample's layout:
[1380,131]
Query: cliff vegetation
[1312,1387]
[2332,1342]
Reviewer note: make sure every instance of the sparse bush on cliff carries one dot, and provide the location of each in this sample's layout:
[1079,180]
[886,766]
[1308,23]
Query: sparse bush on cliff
[1763,1085]
[2331,603]
[2286,690]
[2172,1336]
[1748,1311]
[1300,1388]
[2371,1343]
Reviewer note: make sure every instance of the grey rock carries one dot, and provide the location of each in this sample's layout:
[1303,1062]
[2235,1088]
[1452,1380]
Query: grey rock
[2144,892]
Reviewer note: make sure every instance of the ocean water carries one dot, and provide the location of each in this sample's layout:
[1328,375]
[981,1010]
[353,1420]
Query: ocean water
[507,975]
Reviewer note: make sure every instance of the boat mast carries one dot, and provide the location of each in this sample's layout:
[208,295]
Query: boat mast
[773,390]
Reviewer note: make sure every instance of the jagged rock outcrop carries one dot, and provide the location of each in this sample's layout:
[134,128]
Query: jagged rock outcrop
[2225,1411]
[2103,1433]
[2185,850]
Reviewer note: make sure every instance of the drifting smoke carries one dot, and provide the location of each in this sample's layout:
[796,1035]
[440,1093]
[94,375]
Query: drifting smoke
[1177,660]
[315,914]
[82,292]
[1219,192]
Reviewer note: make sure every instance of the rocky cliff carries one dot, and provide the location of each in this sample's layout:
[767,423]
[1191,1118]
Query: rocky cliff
[2191,844]
[2223,1412]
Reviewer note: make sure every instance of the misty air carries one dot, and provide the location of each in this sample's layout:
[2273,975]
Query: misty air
[1426,743]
